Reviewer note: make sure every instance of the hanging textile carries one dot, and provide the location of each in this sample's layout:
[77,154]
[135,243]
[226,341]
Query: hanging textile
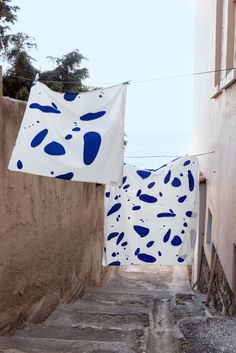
[152,217]
[73,136]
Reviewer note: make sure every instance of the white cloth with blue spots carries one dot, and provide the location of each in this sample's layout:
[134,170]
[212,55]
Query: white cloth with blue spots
[152,217]
[72,136]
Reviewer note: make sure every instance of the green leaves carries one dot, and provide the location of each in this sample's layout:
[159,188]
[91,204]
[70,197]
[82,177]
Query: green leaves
[7,16]
[68,75]
[68,69]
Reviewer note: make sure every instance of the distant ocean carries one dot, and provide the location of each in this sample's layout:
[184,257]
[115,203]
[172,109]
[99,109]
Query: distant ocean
[145,143]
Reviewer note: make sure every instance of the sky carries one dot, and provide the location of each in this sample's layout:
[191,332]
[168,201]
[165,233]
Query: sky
[124,40]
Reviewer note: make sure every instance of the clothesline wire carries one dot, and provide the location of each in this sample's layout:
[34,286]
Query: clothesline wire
[166,156]
[182,75]
[131,82]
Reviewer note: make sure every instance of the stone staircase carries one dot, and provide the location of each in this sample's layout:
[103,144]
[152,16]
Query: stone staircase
[103,320]
[139,310]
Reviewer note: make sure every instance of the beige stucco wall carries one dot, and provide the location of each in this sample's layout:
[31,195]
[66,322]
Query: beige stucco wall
[214,128]
[51,234]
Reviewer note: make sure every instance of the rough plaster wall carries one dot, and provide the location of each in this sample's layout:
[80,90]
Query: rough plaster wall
[214,127]
[51,234]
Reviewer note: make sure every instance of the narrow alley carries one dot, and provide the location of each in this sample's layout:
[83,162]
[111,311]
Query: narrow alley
[117,176]
[138,309]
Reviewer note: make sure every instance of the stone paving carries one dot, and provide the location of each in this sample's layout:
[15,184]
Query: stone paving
[139,309]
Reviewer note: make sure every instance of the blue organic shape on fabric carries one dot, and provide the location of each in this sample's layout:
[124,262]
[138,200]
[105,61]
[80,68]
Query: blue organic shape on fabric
[92,142]
[180,259]
[114,209]
[185,224]
[112,235]
[176,182]
[76,128]
[160,193]
[167,236]
[150,243]
[70,96]
[54,149]
[189,214]
[190,180]
[167,177]
[115,263]
[136,208]
[139,192]
[113,254]
[126,186]
[92,116]
[176,241]
[159,253]
[143,173]
[147,198]
[124,244]
[142,231]
[67,176]
[46,108]
[182,198]
[166,214]
[120,238]
[124,180]
[19,164]
[68,137]
[137,251]
[151,185]
[38,139]
[146,258]
[187,163]
[107,194]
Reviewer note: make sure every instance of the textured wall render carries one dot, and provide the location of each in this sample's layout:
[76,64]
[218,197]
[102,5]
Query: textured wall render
[222,296]
[214,127]
[51,234]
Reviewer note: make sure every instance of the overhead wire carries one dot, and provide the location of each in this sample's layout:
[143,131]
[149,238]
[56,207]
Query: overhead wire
[171,156]
[130,82]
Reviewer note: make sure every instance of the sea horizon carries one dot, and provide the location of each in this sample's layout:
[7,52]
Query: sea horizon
[156,143]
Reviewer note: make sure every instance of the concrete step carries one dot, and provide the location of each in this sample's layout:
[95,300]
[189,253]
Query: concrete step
[44,345]
[64,316]
[123,297]
[132,338]
[91,307]
[157,294]
[116,299]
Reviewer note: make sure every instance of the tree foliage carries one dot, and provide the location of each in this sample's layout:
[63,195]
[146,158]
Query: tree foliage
[14,49]
[68,69]
[7,18]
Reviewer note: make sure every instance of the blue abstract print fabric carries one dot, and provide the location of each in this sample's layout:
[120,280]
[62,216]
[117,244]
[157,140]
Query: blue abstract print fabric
[152,217]
[72,136]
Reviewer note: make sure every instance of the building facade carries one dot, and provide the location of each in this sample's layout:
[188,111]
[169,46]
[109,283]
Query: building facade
[214,129]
